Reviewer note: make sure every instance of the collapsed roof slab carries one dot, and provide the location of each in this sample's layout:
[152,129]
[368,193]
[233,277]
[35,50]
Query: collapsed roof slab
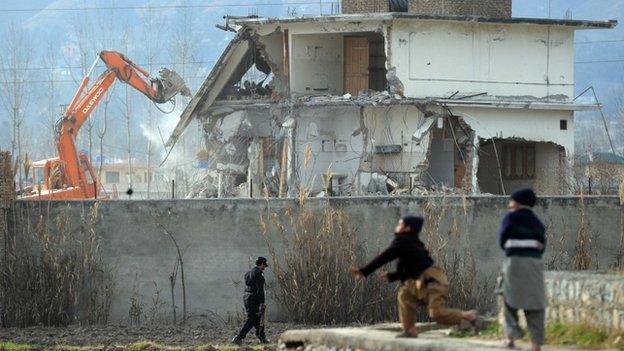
[222,73]
[385,16]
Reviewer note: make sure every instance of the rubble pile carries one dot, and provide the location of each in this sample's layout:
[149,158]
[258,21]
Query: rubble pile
[366,97]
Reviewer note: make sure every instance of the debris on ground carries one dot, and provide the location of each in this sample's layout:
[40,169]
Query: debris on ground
[122,337]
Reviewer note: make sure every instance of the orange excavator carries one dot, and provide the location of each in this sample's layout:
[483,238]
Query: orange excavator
[70,175]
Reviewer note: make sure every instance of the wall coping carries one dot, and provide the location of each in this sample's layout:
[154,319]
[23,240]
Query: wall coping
[584,275]
[610,199]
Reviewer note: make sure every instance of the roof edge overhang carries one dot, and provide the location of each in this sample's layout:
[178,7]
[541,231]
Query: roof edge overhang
[504,104]
[384,16]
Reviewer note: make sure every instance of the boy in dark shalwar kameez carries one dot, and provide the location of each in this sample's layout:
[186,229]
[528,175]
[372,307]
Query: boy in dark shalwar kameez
[422,283]
[522,236]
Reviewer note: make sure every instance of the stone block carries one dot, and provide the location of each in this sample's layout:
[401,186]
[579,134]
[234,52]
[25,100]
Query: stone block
[578,297]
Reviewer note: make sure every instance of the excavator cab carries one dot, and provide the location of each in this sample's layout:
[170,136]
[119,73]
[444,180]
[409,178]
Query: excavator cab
[48,176]
[50,180]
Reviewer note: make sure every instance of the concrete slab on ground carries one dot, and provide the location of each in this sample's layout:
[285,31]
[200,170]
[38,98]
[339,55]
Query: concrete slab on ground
[382,337]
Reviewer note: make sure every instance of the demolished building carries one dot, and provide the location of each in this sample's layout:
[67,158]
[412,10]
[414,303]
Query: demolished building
[443,96]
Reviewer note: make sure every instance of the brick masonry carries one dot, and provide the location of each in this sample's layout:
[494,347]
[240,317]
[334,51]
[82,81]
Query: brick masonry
[365,6]
[583,297]
[485,8]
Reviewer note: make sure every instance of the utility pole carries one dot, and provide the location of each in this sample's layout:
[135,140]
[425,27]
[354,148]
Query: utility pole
[549,8]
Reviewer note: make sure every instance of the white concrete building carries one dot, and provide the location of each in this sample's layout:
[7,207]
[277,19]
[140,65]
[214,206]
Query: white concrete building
[400,102]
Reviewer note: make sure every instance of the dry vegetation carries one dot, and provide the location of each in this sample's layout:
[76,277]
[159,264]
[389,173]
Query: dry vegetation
[313,283]
[53,272]
[319,244]
[452,251]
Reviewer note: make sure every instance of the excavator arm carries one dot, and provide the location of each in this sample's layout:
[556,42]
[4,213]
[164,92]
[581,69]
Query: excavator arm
[77,168]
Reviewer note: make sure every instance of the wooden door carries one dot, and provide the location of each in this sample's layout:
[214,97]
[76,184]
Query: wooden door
[356,64]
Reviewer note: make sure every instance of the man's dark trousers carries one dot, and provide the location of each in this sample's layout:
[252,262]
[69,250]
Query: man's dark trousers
[254,318]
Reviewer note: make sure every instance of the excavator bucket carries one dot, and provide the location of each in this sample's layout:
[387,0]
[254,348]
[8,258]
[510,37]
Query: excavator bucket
[172,84]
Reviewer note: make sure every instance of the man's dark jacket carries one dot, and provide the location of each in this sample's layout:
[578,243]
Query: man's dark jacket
[412,254]
[254,287]
[518,230]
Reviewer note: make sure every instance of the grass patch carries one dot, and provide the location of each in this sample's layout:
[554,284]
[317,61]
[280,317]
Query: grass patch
[75,348]
[493,330]
[583,335]
[561,334]
[13,346]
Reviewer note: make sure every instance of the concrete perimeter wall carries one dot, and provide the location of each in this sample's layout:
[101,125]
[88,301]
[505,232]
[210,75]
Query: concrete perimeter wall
[219,239]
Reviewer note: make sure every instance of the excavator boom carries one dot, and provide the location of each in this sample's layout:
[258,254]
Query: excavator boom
[75,177]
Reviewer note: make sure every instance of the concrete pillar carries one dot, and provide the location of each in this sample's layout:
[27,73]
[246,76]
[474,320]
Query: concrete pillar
[255,170]
[290,125]
[220,185]
[474,181]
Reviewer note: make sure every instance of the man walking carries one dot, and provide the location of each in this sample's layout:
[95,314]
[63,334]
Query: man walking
[522,236]
[422,283]
[254,303]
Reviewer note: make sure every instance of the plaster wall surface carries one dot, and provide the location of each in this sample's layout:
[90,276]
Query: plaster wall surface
[220,238]
[438,58]
[395,126]
[324,143]
[343,139]
[317,62]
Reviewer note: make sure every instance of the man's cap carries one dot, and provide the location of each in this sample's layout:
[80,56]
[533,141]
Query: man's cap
[414,221]
[525,197]
[261,260]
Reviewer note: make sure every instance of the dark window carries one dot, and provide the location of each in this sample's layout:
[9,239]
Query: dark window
[518,161]
[563,124]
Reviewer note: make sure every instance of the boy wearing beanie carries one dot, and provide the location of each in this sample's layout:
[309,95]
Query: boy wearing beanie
[422,283]
[522,236]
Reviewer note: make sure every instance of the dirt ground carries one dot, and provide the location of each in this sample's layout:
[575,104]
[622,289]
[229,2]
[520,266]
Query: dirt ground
[119,337]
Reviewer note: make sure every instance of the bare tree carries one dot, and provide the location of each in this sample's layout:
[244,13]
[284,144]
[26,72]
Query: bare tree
[52,108]
[152,31]
[15,60]
[126,112]
[183,52]
[105,43]
[85,53]
[102,130]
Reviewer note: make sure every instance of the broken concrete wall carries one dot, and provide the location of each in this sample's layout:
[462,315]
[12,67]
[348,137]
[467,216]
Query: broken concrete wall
[527,124]
[356,142]
[272,46]
[478,58]
[316,54]
[554,148]
[325,143]
[221,238]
